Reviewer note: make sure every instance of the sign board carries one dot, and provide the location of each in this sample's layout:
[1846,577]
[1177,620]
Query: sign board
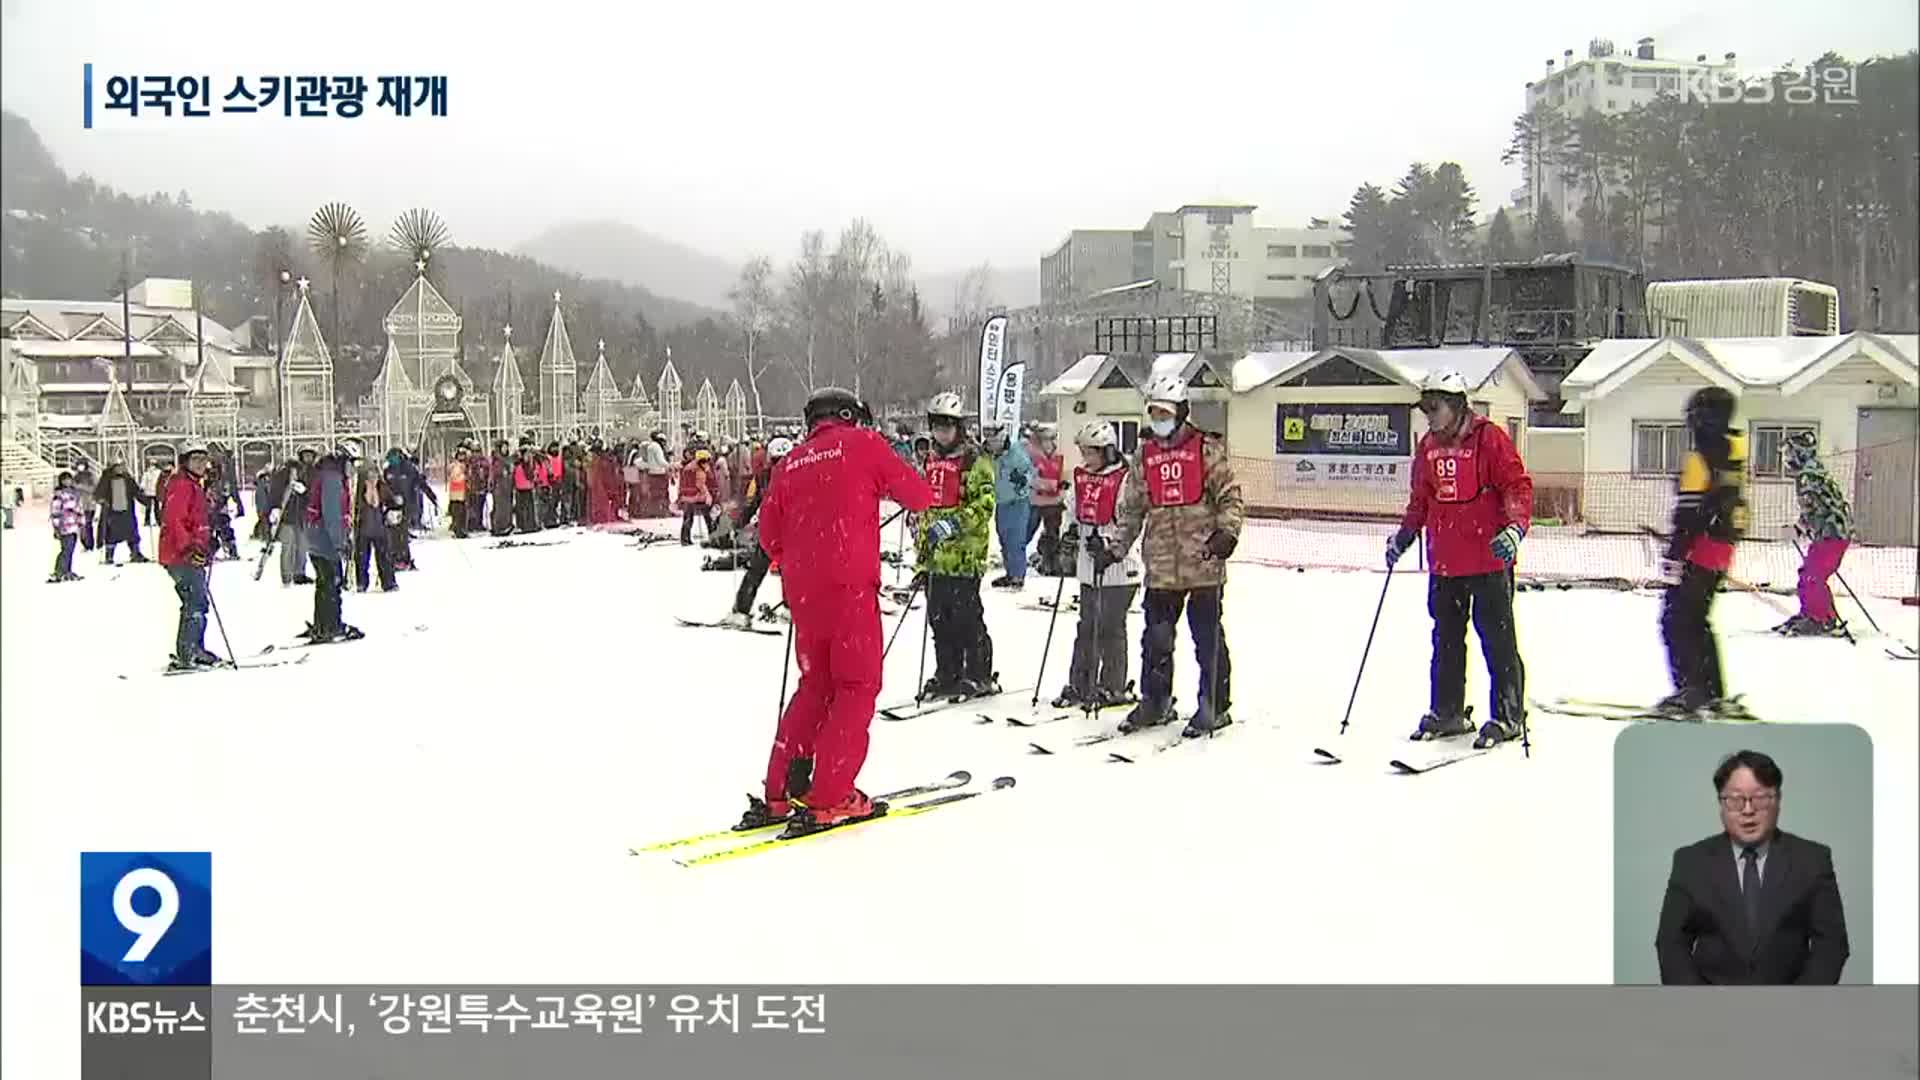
[1006,404]
[993,345]
[1328,445]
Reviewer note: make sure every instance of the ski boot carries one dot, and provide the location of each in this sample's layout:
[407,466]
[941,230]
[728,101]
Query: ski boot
[762,814]
[1729,710]
[939,688]
[1435,726]
[1107,699]
[1792,626]
[1679,705]
[204,657]
[969,689]
[1806,627]
[999,582]
[737,620]
[1499,730]
[174,663]
[72,577]
[1147,714]
[854,808]
[1205,722]
[1071,698]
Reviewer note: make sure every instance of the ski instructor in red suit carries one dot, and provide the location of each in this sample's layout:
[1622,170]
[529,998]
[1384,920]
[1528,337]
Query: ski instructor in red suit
[821,524]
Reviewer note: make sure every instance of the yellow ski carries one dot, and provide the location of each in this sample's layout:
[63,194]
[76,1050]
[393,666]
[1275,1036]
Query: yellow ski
[759,846]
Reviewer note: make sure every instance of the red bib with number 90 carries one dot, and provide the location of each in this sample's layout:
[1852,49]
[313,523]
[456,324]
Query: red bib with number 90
[1175,475]
[1456,473]
[943,476]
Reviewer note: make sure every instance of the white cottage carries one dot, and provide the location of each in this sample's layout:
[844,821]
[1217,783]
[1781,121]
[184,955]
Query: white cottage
[1856,393]
[1110,387]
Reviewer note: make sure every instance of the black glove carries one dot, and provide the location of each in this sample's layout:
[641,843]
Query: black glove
[1220,545]
[1071,534]
[1103,555]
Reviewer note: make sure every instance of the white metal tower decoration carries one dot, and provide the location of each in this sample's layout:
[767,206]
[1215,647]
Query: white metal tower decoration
[399,408]
[425,330]
[22,394]
[509,391]
[116,429]
[643,417]
[213,404]
[559,396]
[736,413]
[600,401]
[673,414]
[306,378]
[706,409]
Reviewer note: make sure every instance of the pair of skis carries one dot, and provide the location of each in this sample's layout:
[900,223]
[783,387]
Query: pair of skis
[1403,767]
[751,628]
[1628,712]
[911,710]
[231,665]
[945,792]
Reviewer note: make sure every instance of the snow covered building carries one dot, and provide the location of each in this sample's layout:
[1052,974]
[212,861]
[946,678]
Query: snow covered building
[79,350]
[1108,387]
[1856,393]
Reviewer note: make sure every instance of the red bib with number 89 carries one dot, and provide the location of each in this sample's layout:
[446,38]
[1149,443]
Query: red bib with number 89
[1176,475]
[1096,496]
[943,476]
[1456,473]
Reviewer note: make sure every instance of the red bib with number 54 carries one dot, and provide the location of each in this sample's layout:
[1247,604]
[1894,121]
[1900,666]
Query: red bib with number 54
[943,476]
[1096,496]
[1176,475]
[1456,473]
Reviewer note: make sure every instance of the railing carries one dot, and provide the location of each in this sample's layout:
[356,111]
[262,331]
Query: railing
[1587,526]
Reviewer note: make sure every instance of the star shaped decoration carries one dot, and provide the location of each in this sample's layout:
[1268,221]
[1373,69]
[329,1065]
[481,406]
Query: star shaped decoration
[603,345]
[419,266]
[509,333]
[302,283]
[556,297]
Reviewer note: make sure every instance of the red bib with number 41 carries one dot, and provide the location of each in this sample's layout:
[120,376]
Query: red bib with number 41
[1176,475]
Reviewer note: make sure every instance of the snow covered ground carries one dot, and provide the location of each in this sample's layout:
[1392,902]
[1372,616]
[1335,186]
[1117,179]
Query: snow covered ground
[456,803]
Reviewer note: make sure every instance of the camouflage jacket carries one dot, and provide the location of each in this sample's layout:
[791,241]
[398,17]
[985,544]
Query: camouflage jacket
[1173,539]
[965,554]
[1824,514]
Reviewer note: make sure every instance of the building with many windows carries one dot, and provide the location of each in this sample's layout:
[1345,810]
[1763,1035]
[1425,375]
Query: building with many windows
[79,349]
[1607,82]
[1202,247]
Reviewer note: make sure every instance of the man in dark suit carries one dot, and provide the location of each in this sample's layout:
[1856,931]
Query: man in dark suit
[1751,905]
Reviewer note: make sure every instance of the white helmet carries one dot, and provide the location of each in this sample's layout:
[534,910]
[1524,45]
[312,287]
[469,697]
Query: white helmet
[193,446]
[349,449]
[780,446]
[1170,389]
[1096,435]
[1444,381]
[947,405]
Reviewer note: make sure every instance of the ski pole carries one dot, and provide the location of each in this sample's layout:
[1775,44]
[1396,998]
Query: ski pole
[1520,671]
[901,625]
[926,631]
[1052,617]
[786,665]
[1368,648]
[217,620]
[1843,584]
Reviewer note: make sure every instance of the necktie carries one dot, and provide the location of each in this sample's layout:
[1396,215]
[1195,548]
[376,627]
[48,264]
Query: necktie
[1750,885]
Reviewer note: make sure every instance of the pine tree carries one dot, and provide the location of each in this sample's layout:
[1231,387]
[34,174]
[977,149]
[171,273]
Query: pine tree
[1366,222]
[1549,232]
[1502,245]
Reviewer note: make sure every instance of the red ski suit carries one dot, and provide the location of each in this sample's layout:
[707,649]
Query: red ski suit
[821,524]
[1465,490]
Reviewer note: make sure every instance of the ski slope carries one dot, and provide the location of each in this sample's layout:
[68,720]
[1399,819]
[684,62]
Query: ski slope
[456,803]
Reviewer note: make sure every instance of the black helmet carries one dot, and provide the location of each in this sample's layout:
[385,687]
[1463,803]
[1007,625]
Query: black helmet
[833,401]
[1710,409]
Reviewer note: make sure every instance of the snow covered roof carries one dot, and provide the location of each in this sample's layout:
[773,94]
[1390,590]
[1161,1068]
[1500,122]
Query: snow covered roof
[1788,364]
[1478,366]
[1725,307]
[82,349]
[1075,378]
[68,318]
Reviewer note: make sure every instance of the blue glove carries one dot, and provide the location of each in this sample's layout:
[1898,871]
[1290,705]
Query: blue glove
[942,531]
[1397,545]
[1506,543]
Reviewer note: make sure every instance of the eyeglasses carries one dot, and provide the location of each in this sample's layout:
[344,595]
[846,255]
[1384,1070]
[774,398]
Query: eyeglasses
[1758,802]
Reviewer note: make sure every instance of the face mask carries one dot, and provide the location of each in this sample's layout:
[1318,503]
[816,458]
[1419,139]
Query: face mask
[1162,428]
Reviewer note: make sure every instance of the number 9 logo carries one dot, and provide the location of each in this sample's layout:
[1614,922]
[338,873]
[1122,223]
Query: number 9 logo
[148,930]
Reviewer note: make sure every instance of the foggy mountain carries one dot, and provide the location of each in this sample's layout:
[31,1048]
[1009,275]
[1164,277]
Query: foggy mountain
[625,253]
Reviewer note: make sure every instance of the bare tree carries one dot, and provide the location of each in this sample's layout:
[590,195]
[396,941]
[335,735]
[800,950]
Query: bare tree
[804,305]
[854,260]
[753,311]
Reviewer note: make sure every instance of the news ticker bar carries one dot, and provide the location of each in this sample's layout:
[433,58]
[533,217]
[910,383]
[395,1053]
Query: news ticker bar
[1114,1032]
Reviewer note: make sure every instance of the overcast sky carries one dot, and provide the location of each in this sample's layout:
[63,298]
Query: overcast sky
[965,132]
